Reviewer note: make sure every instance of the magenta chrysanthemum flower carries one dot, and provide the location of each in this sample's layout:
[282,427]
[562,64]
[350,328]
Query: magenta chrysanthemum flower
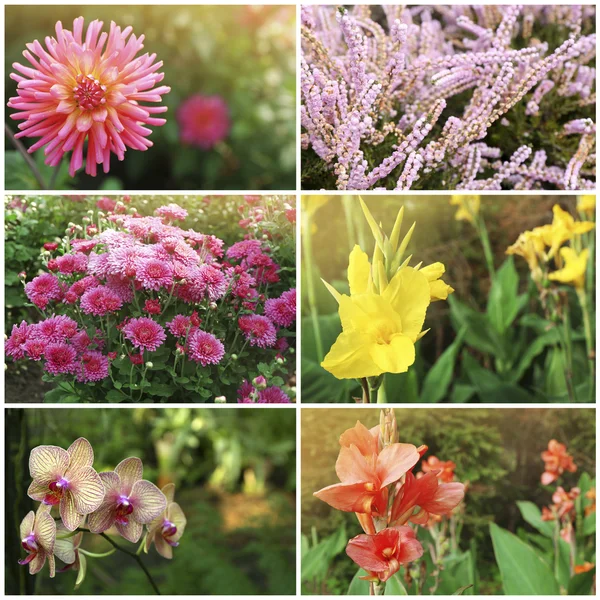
[107,204]
[243,249]
[79,287]
[258,330]
[154,274]
[72,263]
[273,395]
[171,212]
[282,310]
[203,121]
[43,289]
[55,329]
[60,358]
[81,341]
[34,349]
[215,284]
[88,87]
[100,301]
[144,333]
[179,325]
[15,344]
[205,348]
[94,367]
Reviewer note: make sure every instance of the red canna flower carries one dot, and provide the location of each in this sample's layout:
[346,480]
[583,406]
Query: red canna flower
[382,554]
[365,472]
[429,495]
[445,468]
[556,461]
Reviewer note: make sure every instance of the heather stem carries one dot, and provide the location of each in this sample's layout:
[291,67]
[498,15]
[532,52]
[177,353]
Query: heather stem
[23,151]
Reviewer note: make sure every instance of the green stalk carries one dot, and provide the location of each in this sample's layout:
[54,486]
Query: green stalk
[381,393]
[589,342]
[310,286]
[485,243]
[95,555]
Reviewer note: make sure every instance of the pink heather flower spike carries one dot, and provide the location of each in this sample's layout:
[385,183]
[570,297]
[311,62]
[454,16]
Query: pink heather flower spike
[88,87]
[129,502]
[203,121]
[67,478]
[38,537]
[166,530]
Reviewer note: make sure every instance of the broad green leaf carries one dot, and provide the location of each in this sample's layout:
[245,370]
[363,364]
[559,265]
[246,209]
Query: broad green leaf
[360,587]
[533,515]
[395,587]
[402,387]
[523,571]
[462,393]
[503,300]
[439,377]
[315,562]
[458,572]
[582,584]
[534,349]
[589,524]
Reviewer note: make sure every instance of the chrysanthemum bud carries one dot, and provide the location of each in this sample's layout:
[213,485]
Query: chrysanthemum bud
[220,400]
[234,357]
[260,383]
[149,365]
[213,306]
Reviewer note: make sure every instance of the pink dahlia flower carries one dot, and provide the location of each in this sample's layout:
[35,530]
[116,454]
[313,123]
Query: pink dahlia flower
[258,330]
[94,367]
[100,301]
[144,333]
[130,502]
[205,348]
[88,87]
[203,121]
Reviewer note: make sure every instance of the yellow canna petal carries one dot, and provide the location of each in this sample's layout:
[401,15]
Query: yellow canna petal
[439,290]
[587,204]
[332,291]
[377,234]
[433,271]
[349,357]
[358,271]
[394,357]
[573,272]
[409,296]
[369,313]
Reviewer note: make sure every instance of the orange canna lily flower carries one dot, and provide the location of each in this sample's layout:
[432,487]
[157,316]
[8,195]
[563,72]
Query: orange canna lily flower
[590,495]
[382,554]
[584,568]
[445,468]
[557,460]
[429,495]
[365,472]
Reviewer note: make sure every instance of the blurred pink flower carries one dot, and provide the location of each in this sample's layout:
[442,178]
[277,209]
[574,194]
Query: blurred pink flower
[88,87]
[203,121]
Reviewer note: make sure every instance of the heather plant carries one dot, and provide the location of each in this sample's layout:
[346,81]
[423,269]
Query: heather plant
[77,502]
[559,557]
[448,97]
[137,308]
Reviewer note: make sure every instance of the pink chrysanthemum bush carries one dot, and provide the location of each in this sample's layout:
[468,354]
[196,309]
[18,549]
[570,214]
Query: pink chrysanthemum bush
[77,502]
[448,97]
[139,308]
[88,92]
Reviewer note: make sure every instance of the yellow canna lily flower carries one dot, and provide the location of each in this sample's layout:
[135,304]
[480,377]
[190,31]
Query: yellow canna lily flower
[438,288]
[380,331]
[573,273]
[468,207]
[530,245]
[564,227]
[587,204]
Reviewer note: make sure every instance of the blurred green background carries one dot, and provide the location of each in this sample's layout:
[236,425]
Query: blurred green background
[30,221]
[497,451]
[438,236]
[235,475]
[245,54]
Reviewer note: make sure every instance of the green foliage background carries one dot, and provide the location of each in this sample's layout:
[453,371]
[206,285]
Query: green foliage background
[235,475]
[245,54]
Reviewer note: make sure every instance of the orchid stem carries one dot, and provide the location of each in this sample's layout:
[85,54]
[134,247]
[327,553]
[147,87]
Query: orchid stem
[135,557]
[95,555]
[23,151]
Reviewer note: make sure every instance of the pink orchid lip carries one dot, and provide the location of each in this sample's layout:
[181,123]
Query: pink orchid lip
[168,529]
[29,543]
[124,508]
